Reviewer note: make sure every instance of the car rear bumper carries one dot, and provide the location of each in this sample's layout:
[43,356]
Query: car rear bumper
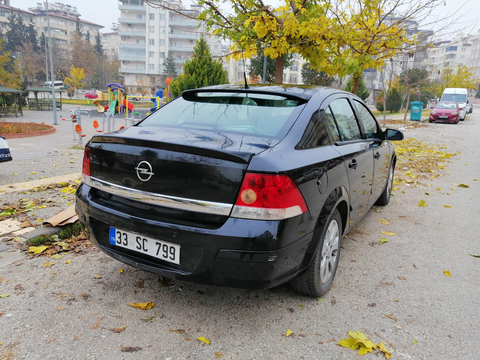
[240,253]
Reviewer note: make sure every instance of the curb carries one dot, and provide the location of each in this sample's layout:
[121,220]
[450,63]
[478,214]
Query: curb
[31,134]
[28,185]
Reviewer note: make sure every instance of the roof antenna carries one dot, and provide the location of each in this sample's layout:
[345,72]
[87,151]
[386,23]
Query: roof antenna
[244,71]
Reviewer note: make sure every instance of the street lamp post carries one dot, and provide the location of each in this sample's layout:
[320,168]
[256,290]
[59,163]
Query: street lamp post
[54,103]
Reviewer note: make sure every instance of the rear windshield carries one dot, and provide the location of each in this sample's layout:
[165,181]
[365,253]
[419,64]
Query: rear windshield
[255,114]
[461,98]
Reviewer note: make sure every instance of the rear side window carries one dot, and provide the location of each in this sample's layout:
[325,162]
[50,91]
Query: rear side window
[368,121]
[255,114]
[345,119]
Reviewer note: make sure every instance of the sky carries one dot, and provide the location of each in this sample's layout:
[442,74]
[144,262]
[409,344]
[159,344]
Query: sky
[104,12]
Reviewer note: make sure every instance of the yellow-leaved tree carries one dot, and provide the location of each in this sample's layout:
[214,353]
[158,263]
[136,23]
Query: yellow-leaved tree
[463,77]
[75,80]
[9,73]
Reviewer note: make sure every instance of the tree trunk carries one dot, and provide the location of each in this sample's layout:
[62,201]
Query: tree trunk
[385,94]
[407,104]
[356,81]
[279,70]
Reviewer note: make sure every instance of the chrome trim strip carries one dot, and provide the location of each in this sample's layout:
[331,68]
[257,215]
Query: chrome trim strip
[201,206]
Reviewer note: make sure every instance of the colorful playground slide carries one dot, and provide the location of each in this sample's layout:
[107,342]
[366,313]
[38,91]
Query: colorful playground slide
[100,108]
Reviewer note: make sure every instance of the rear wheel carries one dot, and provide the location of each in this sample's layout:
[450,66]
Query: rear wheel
[318,278]
[384,199]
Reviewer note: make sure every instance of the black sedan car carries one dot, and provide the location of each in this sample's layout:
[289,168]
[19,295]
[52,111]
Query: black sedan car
[241,187]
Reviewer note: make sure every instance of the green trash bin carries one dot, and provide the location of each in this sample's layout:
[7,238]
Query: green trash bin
[416,110]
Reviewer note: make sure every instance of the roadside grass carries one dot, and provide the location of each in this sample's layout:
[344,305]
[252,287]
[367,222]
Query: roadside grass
[40,240]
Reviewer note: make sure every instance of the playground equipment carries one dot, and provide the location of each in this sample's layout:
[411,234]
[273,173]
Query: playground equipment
[76,118]
[115,96]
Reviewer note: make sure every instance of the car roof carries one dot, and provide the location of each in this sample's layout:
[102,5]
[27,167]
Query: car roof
[301,91]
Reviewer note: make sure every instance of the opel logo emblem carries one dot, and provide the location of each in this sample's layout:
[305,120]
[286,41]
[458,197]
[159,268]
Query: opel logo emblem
[144,170]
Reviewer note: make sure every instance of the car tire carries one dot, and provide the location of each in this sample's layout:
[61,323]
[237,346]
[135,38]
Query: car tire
[318,278]
[430,121]
[384,199]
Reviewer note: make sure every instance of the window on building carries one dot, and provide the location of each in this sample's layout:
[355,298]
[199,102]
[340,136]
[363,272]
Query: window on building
[151,66]
[215,47]
[451,48]
[294,67]
[151,29]
[150,54]
[161,54]
[139,16]
[162,16]
[161,42]
[293,79]
[161,29]
[464,49]
[152,16]
[151,42]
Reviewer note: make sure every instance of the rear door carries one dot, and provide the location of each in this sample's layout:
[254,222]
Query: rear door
[357,156]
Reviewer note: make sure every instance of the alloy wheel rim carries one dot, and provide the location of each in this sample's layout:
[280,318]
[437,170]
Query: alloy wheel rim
[330,252]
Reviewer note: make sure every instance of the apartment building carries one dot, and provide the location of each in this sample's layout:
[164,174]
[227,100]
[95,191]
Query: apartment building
[6,10]
[448,54]
[148,34]
[110,43]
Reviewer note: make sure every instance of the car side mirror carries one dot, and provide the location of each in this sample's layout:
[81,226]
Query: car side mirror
[393,135]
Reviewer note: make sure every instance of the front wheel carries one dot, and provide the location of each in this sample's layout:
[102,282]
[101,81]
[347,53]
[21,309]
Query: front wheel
[318,278]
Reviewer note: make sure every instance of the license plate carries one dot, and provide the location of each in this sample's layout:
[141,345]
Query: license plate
[157,248]
[443,117]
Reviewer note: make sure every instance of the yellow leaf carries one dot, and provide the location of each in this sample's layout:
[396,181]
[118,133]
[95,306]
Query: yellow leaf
[4,296]
[143,306]
[422,203]
[37,249]
[474,255]
[68,261]
[57,256]
[204,340]
[33,173]
[415,341]
[358,340]
[447,206]
[388,233]
[96,276]
[288,333]
[383,349]
[447,273]
[219,355]
[47,264]
[39,220]
[384,221]
[383,241]
[463,186]
[120,271]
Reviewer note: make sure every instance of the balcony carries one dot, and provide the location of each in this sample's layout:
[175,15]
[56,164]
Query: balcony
[188,49]
[132,7]
[132,21]
[132,71]
[184,23]
[126,32]
[138,48]
[180,61]
[189,36]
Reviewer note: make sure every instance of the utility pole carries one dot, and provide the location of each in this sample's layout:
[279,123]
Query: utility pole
[54,103]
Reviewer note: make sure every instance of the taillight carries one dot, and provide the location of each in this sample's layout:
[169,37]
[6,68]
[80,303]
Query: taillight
[86,162]
[268,197]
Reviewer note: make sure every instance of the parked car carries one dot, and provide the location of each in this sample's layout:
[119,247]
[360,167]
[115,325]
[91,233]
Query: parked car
[458,95]
[91,95]
[469,107]
[445,111]
[241,187]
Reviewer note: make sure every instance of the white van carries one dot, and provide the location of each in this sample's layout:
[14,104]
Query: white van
[56,84]
[458,95]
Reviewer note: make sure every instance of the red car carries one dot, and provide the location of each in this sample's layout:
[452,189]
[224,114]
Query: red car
[445,111]
[91,95]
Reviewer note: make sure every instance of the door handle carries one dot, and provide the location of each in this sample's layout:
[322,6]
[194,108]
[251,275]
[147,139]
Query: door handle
[377,155]
[353,165]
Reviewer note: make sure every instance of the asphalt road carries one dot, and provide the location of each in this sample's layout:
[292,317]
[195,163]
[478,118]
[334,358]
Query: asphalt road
[396,292]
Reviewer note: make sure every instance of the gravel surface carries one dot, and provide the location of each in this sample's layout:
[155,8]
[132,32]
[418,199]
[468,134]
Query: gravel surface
[396,292]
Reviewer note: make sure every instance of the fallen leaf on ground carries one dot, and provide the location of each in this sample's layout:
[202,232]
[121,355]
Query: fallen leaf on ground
[384,221]
[219,355]
[57,256]
[37,249]
[180,331]
[204,340]
[463,186]
[402,278]
[96,276]
[68,261]
[422,204]
[415,341]
[2,280]
[4,296]
[447,206]
[383,349]
[390,316]
[447,273]
[358,340]
[288,333]
[388,233]
[383,241]
[143,306]
[48,264]
[474,255]
[119,330]
[120,271]
[130,349]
